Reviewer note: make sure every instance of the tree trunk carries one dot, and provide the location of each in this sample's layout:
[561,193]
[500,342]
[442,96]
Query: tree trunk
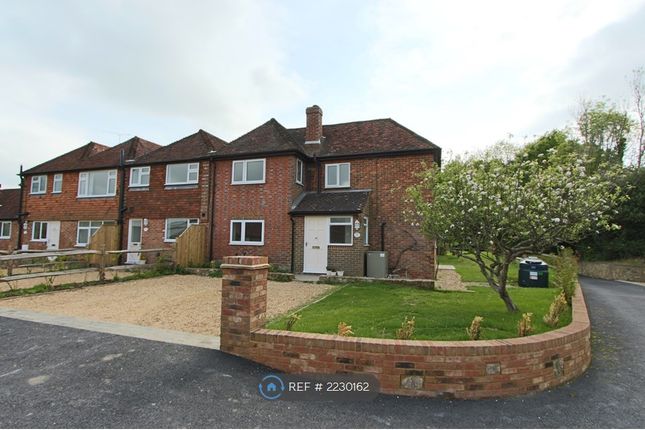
[510,306]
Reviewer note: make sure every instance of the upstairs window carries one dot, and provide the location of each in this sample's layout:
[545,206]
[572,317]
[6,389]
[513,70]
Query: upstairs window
[39,231]
[5,229]
[39,184]
[337,175]
[57,185]
[300,171]
[182,174]
[340,230]
[248,172]
[100,183]
[176,226]
[247,232]
[140,176]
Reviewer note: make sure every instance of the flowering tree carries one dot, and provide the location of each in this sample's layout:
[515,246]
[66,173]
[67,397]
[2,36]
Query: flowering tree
[492,211]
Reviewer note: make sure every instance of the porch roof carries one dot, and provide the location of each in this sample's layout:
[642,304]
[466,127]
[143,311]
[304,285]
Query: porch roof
[331,202]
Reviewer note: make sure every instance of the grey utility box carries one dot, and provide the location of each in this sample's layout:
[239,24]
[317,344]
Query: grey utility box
[377,264]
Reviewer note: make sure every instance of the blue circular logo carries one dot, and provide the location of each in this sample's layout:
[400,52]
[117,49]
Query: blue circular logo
[271,387]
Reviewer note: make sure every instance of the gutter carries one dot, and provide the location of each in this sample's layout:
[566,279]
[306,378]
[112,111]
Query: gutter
[122,208]
[293,244]
[20,213]
[211,207]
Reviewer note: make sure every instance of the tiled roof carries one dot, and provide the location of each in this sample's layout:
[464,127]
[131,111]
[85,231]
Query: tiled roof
[364,138]
[95,156]
[331,202]
[267,138]
[9,203]
[198,145]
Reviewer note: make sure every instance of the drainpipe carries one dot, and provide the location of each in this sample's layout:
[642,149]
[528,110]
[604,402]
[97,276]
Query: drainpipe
[122,208]
[20,214]
[383,236]
[211,207]
[293,241]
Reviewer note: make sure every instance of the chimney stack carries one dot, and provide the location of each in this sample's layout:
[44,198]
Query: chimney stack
[313,133]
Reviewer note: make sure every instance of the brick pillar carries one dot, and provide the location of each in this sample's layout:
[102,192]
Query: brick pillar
[244,301]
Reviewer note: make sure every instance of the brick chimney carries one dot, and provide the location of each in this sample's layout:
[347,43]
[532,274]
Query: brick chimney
[313,133]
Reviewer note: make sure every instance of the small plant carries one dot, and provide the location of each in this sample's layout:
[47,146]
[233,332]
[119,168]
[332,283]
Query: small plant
[525,325]
[216,264]
[407,329]
[566,274]
[344,329]
[116,277]
[557,308]
[215,273]
[293,319]
[276,268]
[475,330]
[49,282]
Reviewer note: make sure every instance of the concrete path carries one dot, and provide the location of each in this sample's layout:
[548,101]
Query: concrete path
[53,376]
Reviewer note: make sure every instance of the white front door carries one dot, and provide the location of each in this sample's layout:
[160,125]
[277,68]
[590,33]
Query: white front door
[315,255]
[134,241]
[53,234]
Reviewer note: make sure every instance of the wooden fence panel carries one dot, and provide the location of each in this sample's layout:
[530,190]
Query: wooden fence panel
[106,238]
[191,246]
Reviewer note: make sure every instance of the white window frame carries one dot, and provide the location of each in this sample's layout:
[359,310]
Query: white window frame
[143,170]
[243,232]
[89,228]
[87,179]
[190,168]
[58,180]
[244,163]
[189,222]
[300,171]
[40,231]
[41,182]
[338,185]
[366,227]
[3,234]
[351,227]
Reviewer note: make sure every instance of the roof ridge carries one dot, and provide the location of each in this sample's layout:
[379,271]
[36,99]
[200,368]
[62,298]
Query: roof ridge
[347,123]
[251,131]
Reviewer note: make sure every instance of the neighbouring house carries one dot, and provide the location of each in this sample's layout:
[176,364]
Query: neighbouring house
[9,211]
[308,198]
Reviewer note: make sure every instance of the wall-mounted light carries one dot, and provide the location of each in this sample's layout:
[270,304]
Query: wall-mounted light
[357,225]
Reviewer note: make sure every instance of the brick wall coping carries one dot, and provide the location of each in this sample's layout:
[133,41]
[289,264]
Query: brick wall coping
[245,266]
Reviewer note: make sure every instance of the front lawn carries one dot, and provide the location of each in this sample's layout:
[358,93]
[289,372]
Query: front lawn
[469,270]
[377,310]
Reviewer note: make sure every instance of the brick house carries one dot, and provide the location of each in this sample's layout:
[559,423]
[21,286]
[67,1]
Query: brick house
[308,198]
[9,210]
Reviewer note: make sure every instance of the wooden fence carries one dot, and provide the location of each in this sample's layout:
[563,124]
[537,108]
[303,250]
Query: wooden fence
[191,246]
[106,238]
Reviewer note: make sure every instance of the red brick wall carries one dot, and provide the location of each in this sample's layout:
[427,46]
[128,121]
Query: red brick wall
[465,369]
[411,254]
[270,202]
[11,243]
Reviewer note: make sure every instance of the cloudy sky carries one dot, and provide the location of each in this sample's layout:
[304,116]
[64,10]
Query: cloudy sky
[462,74]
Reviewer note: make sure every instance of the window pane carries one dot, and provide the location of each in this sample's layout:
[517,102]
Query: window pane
[111,189]
[135,176]
[177,173]
[332,175]
[43,230]
[83,234]
[135,232]
[175,228]
[238,173]
[340,234]
[344,175]
[84,224]
[98,183]
[255,170]
[236,235]
[253,232]
[341,220]
[144,178]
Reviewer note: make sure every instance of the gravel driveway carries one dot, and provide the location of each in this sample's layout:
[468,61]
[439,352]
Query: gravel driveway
[180,302]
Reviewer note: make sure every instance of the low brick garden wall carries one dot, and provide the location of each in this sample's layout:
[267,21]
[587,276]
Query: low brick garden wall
[465,369]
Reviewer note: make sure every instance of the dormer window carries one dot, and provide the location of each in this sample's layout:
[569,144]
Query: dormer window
[337,175]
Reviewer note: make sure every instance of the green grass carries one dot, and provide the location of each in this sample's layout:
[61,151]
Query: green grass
[469,270]
[377,310]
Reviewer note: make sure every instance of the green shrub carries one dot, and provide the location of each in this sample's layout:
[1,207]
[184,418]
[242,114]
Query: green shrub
[278,269]
[215,273]
[280,277]
[566,273]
